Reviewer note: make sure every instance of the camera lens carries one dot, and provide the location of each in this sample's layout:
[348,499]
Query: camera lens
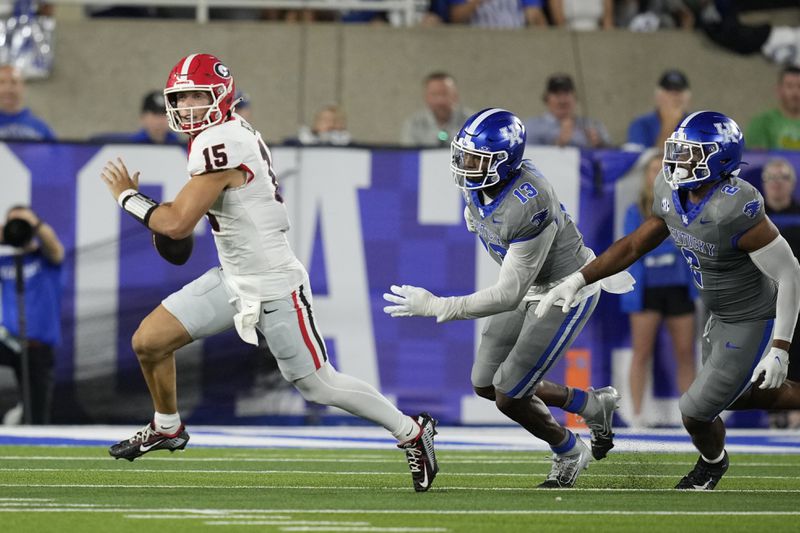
[17,232]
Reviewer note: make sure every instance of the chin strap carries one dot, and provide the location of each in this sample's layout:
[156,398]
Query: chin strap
[233,107]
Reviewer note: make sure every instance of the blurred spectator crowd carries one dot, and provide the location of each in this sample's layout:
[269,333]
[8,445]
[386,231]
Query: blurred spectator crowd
[563,122]
[638,15]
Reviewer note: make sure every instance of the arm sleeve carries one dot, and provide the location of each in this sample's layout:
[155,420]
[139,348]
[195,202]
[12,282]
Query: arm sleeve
[777,262]
[520,267]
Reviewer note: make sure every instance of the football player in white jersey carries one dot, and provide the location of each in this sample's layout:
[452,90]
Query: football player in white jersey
[260,284]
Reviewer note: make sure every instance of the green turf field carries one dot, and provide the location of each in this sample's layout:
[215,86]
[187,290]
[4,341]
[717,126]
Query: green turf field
[72,489]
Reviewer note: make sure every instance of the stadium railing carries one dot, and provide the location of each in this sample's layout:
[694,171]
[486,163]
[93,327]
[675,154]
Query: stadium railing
[403,11]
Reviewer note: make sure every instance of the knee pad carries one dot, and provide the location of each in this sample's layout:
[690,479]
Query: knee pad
[317,387]
[689,407]
[685,405]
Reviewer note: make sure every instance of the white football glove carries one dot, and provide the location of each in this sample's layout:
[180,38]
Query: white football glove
[410,300]
[774,366]
[470,222]
[566,290]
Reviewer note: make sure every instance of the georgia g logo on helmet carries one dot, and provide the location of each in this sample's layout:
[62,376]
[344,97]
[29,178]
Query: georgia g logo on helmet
[222,71]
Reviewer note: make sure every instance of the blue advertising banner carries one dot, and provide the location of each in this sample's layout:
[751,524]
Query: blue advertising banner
[362,220]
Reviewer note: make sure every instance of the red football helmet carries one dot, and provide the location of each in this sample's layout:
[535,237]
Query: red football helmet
[199,72]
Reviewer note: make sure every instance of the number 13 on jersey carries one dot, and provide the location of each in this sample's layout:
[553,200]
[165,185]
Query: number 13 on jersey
[525,192]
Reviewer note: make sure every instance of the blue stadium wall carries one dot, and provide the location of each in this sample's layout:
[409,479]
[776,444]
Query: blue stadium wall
[362,220]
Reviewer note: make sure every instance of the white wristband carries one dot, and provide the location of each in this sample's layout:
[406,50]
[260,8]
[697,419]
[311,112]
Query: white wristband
[125,194]
[138,205]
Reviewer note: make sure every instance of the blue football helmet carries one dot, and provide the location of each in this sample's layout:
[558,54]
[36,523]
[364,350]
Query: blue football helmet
[488,149]
[706,147]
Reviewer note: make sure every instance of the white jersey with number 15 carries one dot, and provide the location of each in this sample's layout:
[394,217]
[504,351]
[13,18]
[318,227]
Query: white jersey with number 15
[249,222]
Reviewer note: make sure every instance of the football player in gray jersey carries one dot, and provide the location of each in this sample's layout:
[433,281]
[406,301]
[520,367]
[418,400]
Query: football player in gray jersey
[525,229]
[744,269]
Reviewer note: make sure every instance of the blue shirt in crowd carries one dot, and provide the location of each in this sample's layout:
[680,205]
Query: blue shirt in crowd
[643,132]
[43,286]
[545,129]
[24,126]
[500,13]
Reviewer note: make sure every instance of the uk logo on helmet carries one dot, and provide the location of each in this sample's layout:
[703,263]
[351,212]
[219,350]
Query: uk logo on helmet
[512,133]
[727,132]
[222,70]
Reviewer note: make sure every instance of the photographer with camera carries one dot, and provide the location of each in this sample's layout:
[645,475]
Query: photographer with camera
[31,256]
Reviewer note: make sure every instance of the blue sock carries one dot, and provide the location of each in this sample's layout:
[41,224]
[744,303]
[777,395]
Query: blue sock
[578,402]
[566,446]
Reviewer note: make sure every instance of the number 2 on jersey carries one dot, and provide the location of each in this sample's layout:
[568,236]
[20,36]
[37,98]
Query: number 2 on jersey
[694,266]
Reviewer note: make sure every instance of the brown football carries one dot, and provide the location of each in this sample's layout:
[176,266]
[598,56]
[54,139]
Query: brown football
[176,252]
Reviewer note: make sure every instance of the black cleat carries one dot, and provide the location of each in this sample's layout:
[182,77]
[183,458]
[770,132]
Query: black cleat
[148,439]
[420,454]
[704,476]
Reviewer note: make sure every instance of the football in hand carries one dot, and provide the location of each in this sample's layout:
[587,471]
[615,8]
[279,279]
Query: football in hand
[176,252]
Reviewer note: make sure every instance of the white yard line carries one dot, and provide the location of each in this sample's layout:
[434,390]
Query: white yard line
[442,488]
[371,438]
[356,459]
[449,511]
[356,473]
[257,521]
[205,516]
[369,528]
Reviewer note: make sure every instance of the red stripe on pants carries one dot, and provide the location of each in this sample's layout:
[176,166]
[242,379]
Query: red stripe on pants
[304,331]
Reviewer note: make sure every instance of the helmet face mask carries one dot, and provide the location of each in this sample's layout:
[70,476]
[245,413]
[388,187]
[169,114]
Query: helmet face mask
[190,118]
[706,147]
[686,162]
[487,150]
[474,169]
[198,73]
